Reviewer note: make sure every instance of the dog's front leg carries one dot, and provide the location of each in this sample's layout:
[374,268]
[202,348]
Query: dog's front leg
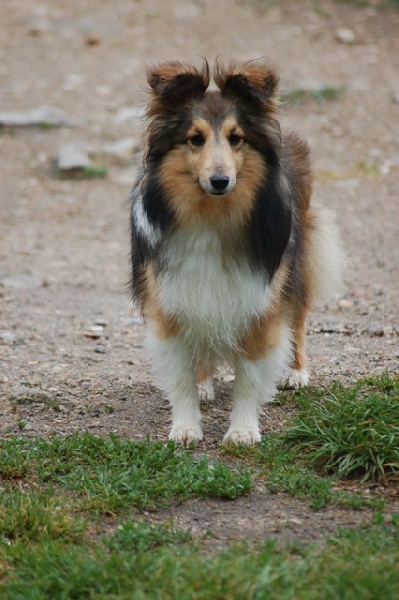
[255,385]
[175,373]
[247,402]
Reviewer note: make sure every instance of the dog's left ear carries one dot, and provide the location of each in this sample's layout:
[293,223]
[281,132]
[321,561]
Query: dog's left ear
[253,82]
[177,82]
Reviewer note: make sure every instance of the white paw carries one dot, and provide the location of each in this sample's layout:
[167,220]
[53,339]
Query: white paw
[242,435]
[294,379]
[205,391]
[186,435]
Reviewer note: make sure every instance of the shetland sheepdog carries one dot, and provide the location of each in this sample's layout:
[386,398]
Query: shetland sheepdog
[228,254]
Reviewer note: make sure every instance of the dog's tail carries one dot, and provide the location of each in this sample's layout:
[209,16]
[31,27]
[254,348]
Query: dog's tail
[326,260]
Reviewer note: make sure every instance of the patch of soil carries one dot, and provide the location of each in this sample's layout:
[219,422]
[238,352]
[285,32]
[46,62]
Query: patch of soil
[71,349]
[259,517]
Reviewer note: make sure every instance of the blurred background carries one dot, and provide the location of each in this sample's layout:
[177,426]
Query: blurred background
[72,90]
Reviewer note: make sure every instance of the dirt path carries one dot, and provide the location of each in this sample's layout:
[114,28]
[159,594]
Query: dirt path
[70,348]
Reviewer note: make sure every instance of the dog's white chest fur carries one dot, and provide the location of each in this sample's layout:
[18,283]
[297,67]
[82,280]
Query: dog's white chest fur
[213,299]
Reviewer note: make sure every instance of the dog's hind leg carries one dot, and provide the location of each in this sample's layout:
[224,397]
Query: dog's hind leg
[297,376]
[205,390]
[205,384]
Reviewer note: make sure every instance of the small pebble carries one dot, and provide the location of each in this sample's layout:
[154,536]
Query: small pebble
[72,81]
[345,303]
[375,331]
[7,336]
[293,521]
[345,36]
[72,156]
[94,332]
[22,281]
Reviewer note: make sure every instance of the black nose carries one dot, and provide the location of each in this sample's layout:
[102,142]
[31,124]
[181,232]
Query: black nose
[219,182]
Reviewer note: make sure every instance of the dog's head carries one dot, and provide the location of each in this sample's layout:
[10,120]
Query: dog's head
[213,133]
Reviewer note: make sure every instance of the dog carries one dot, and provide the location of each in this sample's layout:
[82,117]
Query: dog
[228,254]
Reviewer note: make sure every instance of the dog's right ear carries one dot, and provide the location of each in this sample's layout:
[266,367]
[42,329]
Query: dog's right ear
[177,82]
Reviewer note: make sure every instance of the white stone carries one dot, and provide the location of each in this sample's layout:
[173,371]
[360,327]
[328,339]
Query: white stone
[73,156]
[345,36]
[41,116]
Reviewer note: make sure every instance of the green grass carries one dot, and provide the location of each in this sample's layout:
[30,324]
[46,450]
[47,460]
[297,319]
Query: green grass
[285,471]
[90,172]
[108,475]
[325,93]
[32,515]
[141,561]
[71,510]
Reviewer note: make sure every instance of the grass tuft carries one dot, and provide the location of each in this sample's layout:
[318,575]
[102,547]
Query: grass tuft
[349,431]
[143,537]
[32,516]
[324,93]
[286,472]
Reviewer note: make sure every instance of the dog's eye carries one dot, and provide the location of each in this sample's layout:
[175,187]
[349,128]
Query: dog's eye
[234,139]
[197,140]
